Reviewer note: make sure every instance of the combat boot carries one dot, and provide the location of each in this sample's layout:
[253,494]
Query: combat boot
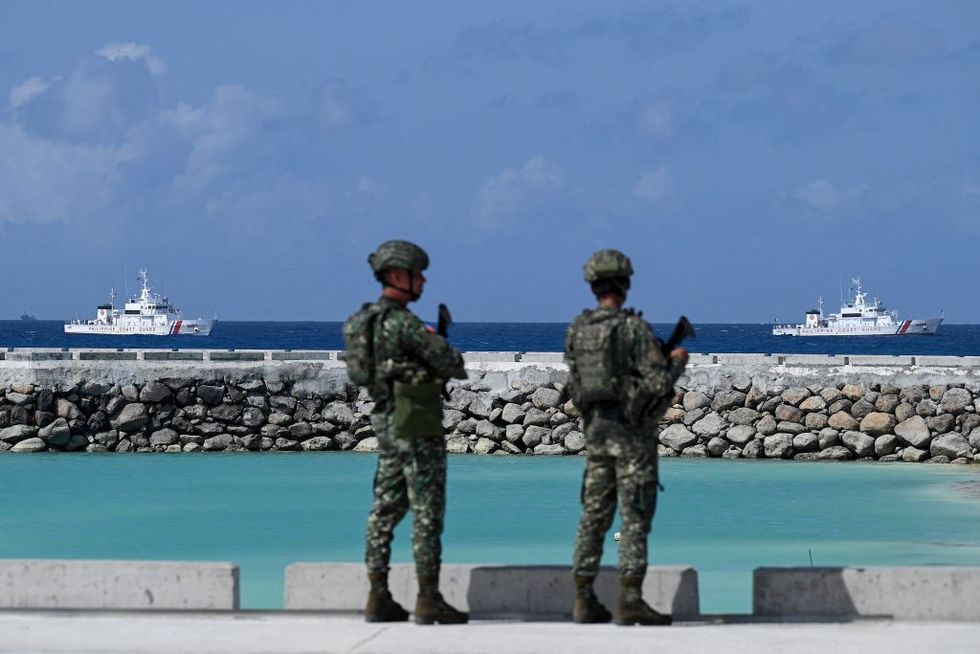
[632,609]
[381,607]
[430,607]
[588,609]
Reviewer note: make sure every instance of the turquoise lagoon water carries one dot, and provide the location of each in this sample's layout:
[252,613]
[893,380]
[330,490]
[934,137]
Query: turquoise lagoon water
[264,511]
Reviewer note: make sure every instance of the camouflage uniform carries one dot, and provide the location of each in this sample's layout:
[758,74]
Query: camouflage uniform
[621,457]
[411,470]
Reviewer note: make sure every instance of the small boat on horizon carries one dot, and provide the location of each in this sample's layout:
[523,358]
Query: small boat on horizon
[28,317]
[857,318]
[150,314]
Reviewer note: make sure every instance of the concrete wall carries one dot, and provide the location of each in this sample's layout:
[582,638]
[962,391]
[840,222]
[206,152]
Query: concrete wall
[934,593]
[150,585]
[489,590]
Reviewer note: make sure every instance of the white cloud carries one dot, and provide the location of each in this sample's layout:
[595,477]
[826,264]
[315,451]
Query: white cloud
[824,198]
[26,91]
[518,190]
[134,52]
[655,187]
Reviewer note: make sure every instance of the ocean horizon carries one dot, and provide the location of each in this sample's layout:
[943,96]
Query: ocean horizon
[951,340]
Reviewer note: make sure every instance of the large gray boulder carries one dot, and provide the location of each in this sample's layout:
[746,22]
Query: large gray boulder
[743,416]
[164,437]
[546,398]
[778,446]
[29,445]
[806,442]
[861,444]
[951,445]
[512,413]
[534,435]
[717,446]
[829,437]
[484,446]
[816,421]
[575,442]
[19,399]
[862,408]
[766,425]
[914,432]
[155,392]
[57,434]
[211,394]
[132,418]
[813,403]
[481,406]
[842,421]
[552,449]
[753,449]
[339,414]
[885,445]
[317,444]
[710,425]
[695,400]
[914,455]
[677,437]
[726,400]
[535,416]
[956,400]
[740,434]
[835,453]
[17,433]
[788,413]
[795,395]
[941,424]
[877,423]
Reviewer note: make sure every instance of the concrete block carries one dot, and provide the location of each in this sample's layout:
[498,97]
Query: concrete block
[39,355]
[124,585]
[947,361]
[542,357]
[698,359]
[879,360]
[745,359]
[222,355]
[166,355]
[106,355]
[303,355]
[812,360]
[937,593]
[498,590]
[485,357]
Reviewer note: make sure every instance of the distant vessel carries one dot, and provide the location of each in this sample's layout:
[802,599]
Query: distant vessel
[857,318]
[149,314]
[29,317]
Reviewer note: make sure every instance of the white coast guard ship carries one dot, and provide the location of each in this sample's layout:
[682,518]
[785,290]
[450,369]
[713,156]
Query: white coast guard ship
[150,314]
[857,318]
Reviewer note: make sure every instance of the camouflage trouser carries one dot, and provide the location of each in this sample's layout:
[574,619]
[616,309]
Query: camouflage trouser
[620,465]
[411,476]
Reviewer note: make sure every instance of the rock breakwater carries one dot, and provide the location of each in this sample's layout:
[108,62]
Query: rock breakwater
[736,409]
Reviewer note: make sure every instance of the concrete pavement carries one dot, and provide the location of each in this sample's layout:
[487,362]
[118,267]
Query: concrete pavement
[251,632]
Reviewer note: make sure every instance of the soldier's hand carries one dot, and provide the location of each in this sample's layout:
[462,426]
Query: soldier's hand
[679,354]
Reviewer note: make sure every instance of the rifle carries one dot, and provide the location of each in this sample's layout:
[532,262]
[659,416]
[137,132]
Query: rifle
[683,329]
[445,321]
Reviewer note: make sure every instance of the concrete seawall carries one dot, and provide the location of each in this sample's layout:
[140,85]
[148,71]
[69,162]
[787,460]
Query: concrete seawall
[887,408]
[946,594]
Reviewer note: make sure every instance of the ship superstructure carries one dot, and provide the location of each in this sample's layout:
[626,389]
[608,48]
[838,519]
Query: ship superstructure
[857,317]
[149,314]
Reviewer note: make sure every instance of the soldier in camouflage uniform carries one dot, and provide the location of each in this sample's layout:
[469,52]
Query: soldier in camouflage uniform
[410,367]
[621,382]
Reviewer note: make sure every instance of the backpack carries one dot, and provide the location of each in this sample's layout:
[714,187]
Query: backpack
[593,344]
[359,344]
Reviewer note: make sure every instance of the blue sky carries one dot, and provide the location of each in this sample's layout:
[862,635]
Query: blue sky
[747,156]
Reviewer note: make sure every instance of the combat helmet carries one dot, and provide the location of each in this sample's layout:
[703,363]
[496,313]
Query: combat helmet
[398,254]
[607,264]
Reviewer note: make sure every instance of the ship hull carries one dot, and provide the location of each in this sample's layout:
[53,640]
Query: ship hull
[926,327]
[171,328]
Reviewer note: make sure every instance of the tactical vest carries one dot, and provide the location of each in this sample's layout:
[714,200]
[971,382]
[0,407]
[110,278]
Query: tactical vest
[594,344]
[359,343]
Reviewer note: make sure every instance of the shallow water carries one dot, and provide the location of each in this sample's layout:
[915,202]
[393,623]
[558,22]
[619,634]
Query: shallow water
[264,511]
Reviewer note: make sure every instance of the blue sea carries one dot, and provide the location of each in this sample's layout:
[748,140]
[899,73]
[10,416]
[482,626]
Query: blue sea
[956,340]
